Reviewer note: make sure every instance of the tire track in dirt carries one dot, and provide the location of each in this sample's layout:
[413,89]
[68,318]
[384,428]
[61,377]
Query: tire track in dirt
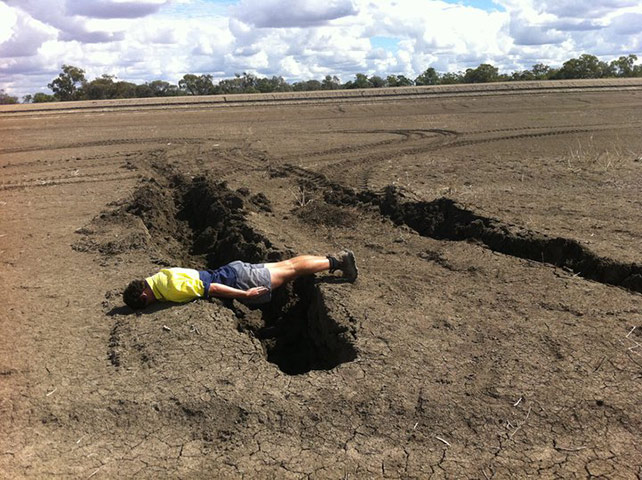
[406,135]
[364,166]
[461,140]
[69,170]
[110,143]
[68,179]
[66,167]
[517,136]
[64,160]
[568,126]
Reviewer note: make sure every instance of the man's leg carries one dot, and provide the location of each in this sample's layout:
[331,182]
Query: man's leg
[287,270]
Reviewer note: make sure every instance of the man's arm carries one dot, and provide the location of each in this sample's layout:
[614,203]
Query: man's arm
[223,291]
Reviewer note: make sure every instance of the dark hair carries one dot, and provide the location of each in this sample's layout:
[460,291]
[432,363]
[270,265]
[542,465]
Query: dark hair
[132,294]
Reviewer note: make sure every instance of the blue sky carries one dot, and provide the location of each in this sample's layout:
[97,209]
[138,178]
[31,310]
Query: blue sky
[487,5]
[144,40]
[387,43]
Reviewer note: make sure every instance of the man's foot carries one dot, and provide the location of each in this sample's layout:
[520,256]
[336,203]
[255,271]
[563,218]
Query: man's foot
[347,264]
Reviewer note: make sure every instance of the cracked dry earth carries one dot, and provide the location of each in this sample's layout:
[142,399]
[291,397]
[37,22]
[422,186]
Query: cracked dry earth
[494,331]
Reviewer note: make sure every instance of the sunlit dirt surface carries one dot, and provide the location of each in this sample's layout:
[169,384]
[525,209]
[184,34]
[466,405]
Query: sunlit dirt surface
[481,339]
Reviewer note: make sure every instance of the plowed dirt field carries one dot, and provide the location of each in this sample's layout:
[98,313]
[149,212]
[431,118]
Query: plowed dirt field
[495,330]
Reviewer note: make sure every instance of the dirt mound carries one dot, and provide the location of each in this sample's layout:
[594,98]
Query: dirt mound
[110,234]
[215,218]
[181,221]
[145,223]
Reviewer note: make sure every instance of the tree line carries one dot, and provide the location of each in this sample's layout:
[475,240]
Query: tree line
[71,83]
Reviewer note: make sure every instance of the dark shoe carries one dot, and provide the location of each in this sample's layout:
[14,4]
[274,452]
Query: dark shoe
[347,265]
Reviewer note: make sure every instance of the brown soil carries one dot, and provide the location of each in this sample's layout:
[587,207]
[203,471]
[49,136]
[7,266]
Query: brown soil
[495,330]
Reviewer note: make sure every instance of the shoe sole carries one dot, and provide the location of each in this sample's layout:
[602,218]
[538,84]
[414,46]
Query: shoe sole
[353,266]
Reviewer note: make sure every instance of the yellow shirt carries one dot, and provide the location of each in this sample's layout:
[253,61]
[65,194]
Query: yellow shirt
[176,285]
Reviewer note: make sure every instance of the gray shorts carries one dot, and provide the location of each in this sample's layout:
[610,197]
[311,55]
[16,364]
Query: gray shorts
[250,275]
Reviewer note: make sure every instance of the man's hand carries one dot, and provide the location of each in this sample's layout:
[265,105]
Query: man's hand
[256,292]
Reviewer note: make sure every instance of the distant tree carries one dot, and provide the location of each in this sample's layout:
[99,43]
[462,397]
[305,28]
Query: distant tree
[299,86]
[429,77]
[66,85]
[541,71]
[274,84]
[522,75]
[161,88]
[144,91]
[174,91]
[249,83]
[280,85]
[99,88]
[264,85]
[587,66]
[307,86]
[6,99]
[377,82]
[43,98]
[483,74]
[331,83]
[360,81]
[231,85]
[245,83]
[123,90]
[398,81]
[450,78]
[313,85]
[197,84]
[624,66]
[72,85]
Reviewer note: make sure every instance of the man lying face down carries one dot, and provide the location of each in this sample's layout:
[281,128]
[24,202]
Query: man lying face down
[251,284]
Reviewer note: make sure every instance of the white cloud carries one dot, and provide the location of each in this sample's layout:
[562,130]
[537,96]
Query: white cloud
[583,8]
[113,8]
[627,24]
[292,13]
[54,14]
[24,38]
[140,40]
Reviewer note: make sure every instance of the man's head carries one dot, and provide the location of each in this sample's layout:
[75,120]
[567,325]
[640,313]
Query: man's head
[137,295]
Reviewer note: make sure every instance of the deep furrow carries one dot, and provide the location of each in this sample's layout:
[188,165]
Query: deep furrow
[444,219]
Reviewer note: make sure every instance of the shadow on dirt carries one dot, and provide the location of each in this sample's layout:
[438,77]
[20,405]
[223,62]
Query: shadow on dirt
[299,331]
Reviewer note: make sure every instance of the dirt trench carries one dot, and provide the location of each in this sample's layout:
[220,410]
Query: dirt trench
[201,223]
[444,219]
